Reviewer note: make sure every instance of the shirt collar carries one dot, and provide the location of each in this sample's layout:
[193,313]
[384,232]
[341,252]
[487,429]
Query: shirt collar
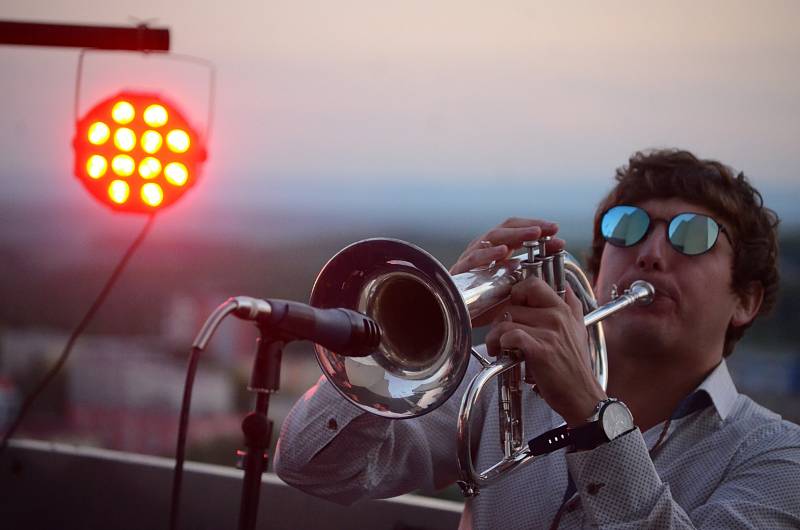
[718,387]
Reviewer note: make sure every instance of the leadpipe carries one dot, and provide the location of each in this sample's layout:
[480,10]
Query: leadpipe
[640,291]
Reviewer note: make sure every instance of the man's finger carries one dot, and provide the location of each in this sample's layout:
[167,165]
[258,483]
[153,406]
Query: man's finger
[534,292]
[513,236]
[548,227]
[554,245]
[574,304]
[518,339]
[493,337]
[479,257]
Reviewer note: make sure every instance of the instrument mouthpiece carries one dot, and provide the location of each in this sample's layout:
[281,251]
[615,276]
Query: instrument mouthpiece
[643,292]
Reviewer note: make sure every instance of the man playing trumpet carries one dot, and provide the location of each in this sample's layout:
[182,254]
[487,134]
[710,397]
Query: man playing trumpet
[684,449]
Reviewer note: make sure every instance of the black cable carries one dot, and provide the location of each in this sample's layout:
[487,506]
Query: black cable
[77,332]
[180,450]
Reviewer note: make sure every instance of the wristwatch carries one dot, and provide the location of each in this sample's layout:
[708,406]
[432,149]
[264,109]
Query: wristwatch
[610,419]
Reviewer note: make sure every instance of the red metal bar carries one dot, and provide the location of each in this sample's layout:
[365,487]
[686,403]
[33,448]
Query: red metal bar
[140,38]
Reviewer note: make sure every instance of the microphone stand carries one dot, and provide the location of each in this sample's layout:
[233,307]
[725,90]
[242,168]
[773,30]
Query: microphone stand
[279,322]
[257,427]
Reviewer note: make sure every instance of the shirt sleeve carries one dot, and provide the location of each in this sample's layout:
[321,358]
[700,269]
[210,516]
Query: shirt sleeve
[330,448]
[620,488]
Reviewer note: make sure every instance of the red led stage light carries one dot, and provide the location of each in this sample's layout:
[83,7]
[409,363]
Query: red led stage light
[137,153]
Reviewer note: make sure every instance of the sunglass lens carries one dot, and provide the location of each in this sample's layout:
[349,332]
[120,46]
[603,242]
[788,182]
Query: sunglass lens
[623,226]
[693,233]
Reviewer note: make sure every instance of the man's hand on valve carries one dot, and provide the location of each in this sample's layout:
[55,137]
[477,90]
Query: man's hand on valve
[553,341]
[500,243]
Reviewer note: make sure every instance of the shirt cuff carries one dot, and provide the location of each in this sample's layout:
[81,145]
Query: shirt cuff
[617,481]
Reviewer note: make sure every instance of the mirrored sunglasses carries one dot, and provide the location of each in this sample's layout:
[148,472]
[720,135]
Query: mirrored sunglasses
[688,232]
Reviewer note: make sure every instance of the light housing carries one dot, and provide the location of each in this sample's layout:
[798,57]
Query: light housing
[136,152]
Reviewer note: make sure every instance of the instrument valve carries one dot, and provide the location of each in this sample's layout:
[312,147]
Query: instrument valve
[532,266]
[543,246]
[533,248]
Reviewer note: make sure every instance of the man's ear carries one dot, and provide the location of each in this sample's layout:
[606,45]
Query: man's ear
[748,305]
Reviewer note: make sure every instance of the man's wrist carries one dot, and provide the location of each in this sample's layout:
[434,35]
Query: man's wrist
[587,408]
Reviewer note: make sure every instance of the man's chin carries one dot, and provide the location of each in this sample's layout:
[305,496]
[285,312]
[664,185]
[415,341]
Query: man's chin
[642,333]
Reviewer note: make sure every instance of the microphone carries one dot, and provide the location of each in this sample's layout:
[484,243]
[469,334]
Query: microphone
[341,330]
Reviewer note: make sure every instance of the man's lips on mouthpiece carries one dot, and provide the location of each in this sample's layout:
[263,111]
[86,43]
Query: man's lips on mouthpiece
[664,290]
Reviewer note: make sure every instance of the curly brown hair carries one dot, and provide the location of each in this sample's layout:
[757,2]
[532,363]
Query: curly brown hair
[666,173]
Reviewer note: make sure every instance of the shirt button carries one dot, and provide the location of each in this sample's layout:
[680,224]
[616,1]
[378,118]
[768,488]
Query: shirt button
[332,425]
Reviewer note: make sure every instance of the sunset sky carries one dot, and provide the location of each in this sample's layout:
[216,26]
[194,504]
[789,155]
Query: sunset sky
[508,107]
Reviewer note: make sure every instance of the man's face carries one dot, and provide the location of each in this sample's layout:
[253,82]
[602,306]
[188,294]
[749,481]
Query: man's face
[694,302]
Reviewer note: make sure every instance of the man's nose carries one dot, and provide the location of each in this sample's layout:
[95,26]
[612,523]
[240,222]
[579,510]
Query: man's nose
[653,250]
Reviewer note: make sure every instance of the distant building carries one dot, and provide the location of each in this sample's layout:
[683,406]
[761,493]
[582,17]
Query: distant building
[121,392]
[185,315]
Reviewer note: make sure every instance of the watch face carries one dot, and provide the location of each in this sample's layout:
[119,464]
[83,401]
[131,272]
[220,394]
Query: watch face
[616,419]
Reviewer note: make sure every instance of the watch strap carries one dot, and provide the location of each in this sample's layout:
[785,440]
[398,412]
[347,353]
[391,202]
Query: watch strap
[585,437]
[550,441]
[588,436]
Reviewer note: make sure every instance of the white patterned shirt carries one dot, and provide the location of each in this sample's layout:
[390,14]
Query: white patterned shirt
[725,462]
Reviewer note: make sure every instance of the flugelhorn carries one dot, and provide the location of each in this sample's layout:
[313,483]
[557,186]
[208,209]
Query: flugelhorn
[426,316]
